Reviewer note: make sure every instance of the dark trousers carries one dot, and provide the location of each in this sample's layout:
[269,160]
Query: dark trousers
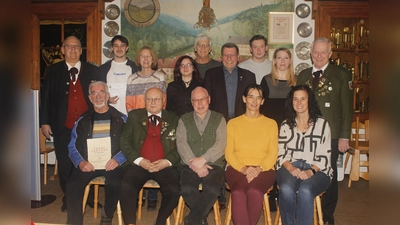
[330,198]
[247,198]
[200,202]
[76,187]
[132,182]
[64,162]
[65,165]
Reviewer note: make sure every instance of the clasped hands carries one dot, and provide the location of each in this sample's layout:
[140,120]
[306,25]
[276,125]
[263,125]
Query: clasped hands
[86,166]
[199,166]
[251,172]
[300,174]
[154,166]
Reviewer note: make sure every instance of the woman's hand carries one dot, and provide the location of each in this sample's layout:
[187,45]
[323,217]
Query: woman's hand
[305,174]
[292,170]
[251,172]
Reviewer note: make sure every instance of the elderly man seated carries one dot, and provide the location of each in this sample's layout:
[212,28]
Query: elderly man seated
[201,141]
[148,142]
[102,123]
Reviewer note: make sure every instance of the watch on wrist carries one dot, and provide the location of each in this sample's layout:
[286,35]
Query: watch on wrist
[313,171]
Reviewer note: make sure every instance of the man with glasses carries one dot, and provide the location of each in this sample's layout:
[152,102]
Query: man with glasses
[103,122]
[203,50]
[64,97]
[226,83]
[201,141]
[116,71]
[149,143]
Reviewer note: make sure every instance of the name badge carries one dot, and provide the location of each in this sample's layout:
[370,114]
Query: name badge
[327,104]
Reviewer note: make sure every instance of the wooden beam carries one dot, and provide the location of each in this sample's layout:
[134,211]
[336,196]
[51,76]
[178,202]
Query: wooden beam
[35,53]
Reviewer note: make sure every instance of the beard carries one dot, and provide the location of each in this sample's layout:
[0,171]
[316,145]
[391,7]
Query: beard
[99,105]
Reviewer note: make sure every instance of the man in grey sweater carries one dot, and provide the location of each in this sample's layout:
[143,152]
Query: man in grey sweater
[201,141]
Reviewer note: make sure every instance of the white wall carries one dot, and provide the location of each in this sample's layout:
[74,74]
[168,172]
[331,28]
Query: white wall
[297,38]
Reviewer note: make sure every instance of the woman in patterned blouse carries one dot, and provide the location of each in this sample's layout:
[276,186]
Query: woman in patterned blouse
[303,166]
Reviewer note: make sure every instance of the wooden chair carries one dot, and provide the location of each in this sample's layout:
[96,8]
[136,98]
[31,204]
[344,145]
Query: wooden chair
[101,180]
[266,208]
[318,217]
[45,149]
[359,144]
[181,206]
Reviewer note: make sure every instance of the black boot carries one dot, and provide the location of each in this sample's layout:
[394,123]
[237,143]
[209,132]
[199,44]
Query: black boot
[104,219]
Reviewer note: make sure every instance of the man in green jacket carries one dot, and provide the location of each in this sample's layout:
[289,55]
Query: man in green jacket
[148,143]
[201,141]
[332,88]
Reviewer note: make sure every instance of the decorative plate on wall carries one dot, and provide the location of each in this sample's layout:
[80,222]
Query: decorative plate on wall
[300,67]
[111,28]
[303,10]
[304,29]
[141,13]
[112,12]
[303,50]
[107,50]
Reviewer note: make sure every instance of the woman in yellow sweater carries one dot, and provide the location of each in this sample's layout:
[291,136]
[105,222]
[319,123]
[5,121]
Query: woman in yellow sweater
[251,153]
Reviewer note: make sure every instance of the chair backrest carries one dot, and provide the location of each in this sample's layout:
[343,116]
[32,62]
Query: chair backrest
[42,143]
[359,131]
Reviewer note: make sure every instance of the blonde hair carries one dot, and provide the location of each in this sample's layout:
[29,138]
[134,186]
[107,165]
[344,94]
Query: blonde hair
[290,77]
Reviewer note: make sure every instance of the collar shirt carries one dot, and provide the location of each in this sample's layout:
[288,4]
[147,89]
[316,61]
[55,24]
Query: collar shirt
[231,82]
[78,66]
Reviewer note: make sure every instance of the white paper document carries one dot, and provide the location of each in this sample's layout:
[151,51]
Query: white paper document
[116,89]
[99,152]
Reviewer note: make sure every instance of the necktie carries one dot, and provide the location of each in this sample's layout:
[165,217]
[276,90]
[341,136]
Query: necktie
[316,74]
[154,119]
[73,71]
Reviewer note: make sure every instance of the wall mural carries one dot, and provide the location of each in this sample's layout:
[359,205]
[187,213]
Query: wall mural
[171,26]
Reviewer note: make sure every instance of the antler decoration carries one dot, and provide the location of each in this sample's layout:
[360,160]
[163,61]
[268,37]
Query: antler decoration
[206,16]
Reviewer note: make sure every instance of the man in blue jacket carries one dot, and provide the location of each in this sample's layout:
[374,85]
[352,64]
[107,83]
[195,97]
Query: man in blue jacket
[103,122]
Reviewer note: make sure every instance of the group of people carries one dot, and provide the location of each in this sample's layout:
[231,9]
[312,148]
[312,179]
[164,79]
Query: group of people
[251,126]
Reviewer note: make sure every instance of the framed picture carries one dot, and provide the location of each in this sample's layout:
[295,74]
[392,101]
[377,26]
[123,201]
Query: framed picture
[280,27]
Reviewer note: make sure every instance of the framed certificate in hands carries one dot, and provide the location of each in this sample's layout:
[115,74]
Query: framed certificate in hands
[99,152]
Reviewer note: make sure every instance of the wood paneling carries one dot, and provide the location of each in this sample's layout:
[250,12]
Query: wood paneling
[91,11]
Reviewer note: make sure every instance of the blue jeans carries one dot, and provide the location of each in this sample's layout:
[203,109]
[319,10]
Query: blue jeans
[296,197]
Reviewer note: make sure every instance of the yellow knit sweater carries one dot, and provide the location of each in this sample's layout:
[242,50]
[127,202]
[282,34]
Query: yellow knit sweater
[252,142]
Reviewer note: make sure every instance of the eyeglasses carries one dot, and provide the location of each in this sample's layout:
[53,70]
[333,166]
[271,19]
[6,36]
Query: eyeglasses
[72,47]
[202,45]
[101,93]
[229,55]
[200,100]
[156,100]
[186,65]
[145,56]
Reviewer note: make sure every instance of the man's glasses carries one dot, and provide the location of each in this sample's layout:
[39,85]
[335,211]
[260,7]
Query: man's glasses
[199,100]
[156,100]
[101,93]
[72,47]
[202,45]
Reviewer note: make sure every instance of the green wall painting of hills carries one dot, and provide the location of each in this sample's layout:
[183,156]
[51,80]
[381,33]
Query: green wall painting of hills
[171,35]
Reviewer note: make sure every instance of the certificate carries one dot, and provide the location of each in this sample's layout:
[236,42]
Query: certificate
[280,28]
[99,152]
[118,89]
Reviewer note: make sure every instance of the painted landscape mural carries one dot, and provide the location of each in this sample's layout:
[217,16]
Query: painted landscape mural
[173,33]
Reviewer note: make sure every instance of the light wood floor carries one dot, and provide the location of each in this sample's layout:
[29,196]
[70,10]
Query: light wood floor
[352,205]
